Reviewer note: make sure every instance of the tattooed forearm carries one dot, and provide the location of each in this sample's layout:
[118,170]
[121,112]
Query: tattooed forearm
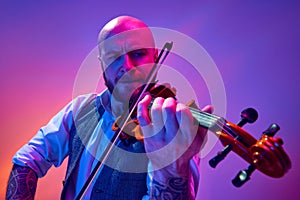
[21,184]
[175,189]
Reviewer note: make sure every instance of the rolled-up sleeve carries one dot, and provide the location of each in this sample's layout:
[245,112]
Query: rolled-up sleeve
[50,146]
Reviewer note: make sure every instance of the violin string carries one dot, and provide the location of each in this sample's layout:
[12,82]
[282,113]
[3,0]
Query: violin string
[202,113]
[209,118]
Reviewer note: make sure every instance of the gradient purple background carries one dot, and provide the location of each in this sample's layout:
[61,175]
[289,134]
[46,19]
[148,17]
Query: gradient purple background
[255,45]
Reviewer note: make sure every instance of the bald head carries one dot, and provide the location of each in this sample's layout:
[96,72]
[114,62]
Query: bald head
[125,28]
[119,25]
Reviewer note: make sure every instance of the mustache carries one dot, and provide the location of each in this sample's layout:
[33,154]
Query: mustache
[127,78]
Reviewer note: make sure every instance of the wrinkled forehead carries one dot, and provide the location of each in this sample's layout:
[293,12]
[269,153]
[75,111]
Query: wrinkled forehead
[129,40]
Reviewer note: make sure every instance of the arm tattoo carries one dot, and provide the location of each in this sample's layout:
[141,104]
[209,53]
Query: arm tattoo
[21,184]
[175,189]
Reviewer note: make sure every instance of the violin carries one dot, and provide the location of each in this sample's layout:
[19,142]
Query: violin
[265,154]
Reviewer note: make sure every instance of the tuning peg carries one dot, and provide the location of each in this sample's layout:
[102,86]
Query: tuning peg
[272,130]
[243,176]
[249,115]
[220,156]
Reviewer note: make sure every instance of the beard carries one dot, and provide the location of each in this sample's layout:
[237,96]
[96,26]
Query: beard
[110,86]
[128,95]
[121,94]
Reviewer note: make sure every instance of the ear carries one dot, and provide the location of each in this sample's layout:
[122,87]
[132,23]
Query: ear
[101,63]
[103,70]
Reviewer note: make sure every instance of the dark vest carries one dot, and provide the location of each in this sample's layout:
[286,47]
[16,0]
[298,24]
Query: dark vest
[111,184]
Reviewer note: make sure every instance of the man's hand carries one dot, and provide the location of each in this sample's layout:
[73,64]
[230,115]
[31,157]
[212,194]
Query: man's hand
[171,139]
[170,132]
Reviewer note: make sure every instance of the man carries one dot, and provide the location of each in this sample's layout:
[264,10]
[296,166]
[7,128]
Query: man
[164,165]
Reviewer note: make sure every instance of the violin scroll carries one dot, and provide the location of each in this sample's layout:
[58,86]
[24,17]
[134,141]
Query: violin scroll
[266,154]
[268,157]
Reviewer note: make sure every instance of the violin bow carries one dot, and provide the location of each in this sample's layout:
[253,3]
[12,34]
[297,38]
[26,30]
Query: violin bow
[150,79]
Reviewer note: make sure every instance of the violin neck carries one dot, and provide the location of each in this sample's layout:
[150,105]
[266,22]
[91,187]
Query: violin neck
[207,120]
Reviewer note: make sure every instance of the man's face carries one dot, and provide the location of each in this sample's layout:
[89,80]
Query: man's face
[127,59]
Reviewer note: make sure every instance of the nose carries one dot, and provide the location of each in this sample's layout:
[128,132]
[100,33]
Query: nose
[126,64]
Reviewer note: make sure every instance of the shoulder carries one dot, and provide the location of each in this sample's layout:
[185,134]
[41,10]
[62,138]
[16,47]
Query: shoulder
[82,100]
[88,98]
[86,102]
[85,98]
